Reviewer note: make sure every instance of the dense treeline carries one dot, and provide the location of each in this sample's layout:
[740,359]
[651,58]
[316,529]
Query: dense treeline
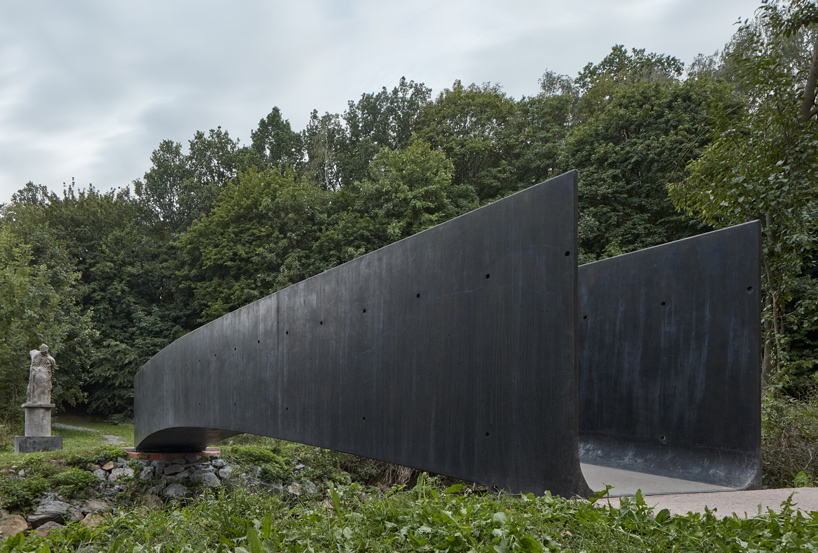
[109,278]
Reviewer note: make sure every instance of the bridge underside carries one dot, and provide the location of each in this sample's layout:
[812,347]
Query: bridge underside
[479,349]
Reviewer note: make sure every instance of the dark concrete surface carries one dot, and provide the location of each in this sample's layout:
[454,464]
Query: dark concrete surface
[451,351]
[669,359]
[455,351]
[31,444]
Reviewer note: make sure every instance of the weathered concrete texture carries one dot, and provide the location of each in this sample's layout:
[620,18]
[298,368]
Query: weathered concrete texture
[451,351]
[670,378]
[455,351]
[628,482]
[38,418]
[30,444]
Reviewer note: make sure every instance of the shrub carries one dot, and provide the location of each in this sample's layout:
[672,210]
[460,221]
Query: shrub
[22,494]
[276,471]
[252,454]
[98,456]
[321,464]
[789,442]
[39,464]
[7,432]
[274,466]
[73,483]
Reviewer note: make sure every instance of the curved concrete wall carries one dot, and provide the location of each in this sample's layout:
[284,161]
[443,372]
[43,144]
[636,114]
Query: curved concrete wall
[670,359]
[456,351]
[451,351]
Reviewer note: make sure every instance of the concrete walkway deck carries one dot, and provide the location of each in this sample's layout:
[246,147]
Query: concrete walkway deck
[745,504]
[626,482]
[683,496]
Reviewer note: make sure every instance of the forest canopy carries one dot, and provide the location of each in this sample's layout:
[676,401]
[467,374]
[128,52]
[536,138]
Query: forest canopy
[663,152]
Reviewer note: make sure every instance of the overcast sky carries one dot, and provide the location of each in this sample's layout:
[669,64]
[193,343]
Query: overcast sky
[88,89]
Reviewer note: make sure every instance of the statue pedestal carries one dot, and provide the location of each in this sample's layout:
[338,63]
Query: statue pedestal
[38,418]
[38,430]
[30,444]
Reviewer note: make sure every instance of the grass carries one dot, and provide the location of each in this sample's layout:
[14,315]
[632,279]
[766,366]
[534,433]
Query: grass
[426,515]
[424,518]
[123,431]
[790,442]
[74,441]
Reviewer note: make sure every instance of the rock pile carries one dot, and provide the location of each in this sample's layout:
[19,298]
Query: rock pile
[52,513]
[160,481]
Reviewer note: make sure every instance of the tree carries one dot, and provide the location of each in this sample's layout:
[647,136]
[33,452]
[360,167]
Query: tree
[137,310]
[275,143]
[627,153]
[407,191]
[38,304]
[535,137]
[166,188]
[763,165]
[385,119]
[322,141]
[598,83]
[212,161]
[411,190]
[467,123]
[179,187]
[126,281]
[255,241]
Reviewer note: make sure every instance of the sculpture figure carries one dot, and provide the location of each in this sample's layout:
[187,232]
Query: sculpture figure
[39,381]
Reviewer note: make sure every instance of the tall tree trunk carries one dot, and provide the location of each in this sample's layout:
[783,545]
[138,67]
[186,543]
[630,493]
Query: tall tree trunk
[808,107]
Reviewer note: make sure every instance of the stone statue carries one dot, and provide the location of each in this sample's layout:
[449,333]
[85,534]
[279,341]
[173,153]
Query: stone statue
[39,380]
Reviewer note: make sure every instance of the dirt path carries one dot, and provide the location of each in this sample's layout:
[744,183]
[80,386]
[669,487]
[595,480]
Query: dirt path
[108,437]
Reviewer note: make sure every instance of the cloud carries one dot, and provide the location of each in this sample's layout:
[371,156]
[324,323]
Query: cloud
[89,89]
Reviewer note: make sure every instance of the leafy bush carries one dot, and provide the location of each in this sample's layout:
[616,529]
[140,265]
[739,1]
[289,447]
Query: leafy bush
[789,442]
[22,494]
[425,518]
[73,483]
[321,464]
[252,454]
[40,464]
[8,430]
[374,472]
[276,471]
[120,418]
[253,439]
[275,467]
[98,456]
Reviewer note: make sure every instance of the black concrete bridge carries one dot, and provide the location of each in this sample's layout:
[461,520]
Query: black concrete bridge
[481,350]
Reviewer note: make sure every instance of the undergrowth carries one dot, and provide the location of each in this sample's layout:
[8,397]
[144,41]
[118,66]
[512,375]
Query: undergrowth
[22,494]
[278,458]
[790,442]
[424,518]
[73,483]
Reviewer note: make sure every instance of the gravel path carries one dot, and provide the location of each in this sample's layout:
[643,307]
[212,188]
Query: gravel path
[108,437]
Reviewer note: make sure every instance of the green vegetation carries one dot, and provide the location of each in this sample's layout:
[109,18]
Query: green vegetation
[790,443]
[278,458]
[423,518]
[22,494]
[108,279]
[73,483]
[762,165]
[348,512]
[79,447]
